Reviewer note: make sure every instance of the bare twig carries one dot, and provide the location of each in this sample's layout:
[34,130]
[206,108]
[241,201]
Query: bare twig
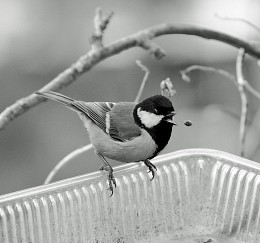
[241,85]
[66,160]
[244,100]
[245,21]
[145,42]
[251,89]
[100,24]
[96,55]
[185,77]
[146,74]
[231,77]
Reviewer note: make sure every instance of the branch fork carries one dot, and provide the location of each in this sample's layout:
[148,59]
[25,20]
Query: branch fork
[242,85]
[145,42]
[101,22]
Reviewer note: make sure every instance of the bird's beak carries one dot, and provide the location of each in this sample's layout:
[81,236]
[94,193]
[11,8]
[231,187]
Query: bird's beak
[169,118]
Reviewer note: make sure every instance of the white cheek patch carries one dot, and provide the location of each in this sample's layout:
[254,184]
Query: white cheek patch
[149,119]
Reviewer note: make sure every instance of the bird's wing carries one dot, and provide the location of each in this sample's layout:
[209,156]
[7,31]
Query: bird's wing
[95,111]
[120,122]
[115,119]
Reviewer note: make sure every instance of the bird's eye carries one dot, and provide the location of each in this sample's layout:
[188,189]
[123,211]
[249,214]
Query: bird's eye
[155,111]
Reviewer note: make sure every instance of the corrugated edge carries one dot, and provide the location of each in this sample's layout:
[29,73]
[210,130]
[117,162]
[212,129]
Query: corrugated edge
[130,167]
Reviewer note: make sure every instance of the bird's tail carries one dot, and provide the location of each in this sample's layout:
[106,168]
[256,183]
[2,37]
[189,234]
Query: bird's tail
[67,101]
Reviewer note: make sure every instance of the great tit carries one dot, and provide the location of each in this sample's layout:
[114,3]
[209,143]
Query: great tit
[124,131]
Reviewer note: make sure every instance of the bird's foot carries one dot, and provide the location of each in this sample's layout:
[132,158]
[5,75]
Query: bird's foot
[151,167]
[110,177]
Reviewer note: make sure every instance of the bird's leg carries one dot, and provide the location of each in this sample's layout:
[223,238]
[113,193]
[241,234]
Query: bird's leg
[151,167]
[110,177]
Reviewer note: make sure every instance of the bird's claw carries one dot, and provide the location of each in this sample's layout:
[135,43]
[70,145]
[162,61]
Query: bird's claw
[110,177]
[103,167]
[151,168]
[111,182]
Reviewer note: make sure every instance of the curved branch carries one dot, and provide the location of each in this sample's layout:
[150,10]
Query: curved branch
[185,77]
[96,55]
[66,160]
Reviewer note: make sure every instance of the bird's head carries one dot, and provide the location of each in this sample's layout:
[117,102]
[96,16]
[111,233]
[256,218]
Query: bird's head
[153,111]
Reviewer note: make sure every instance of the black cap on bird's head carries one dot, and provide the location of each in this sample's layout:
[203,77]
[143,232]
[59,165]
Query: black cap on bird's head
[154,110]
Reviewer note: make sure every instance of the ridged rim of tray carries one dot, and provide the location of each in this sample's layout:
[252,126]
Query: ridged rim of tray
[129,167]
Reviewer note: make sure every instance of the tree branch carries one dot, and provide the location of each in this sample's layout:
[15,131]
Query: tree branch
[251,89]
[146,74]
[231,77]
[241,85]
[244,100]
[100,24]
[66,160]
[185,77]
[96,55]
[245,21]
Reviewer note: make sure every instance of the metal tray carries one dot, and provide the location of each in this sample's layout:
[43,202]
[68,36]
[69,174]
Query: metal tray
[197,196]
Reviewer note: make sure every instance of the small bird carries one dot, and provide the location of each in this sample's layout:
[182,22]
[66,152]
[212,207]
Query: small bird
[124,131]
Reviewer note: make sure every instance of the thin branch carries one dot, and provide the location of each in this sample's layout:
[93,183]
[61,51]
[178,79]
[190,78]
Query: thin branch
[231,77]
[251,89]
[145,42]
[245,21]
[100,24]
[146,74]
[66,160]
[96,55]
[241,85]
[244,101]
[185,77]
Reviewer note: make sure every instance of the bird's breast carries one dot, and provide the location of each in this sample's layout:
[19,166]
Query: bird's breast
[137,149]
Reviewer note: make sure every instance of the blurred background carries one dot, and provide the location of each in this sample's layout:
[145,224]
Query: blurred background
[39,39]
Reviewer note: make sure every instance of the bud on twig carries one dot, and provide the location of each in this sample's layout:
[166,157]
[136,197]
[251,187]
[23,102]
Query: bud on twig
[167,88]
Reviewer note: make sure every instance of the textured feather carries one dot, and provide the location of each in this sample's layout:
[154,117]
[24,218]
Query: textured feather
[122,124]
[115,119]
[95,111]
[56,97]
